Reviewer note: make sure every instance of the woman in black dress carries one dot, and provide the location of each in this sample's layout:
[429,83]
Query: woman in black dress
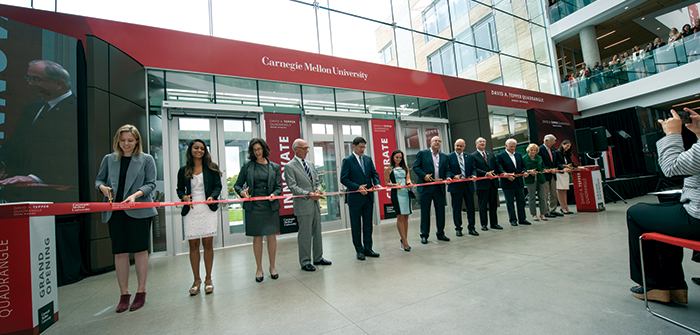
[129,229]
[261,178]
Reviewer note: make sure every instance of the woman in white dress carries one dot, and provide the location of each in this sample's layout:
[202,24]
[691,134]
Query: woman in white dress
[564,158]
[200,180]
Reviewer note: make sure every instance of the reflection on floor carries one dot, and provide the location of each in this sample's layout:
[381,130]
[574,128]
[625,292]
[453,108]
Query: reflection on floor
[568,275]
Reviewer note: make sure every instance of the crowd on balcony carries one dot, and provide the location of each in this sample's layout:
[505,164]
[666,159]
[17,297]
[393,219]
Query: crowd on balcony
[636,63]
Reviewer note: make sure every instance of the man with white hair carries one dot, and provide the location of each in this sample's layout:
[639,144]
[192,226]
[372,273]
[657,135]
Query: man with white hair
[486,165]
[549,157]
[511,163]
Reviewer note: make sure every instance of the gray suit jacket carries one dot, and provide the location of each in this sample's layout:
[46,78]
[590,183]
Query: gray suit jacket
[299,183]
[246,177]
[141,175]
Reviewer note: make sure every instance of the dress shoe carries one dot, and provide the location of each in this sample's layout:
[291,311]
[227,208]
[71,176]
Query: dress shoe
[496,226]
[525,222]
[550,215]
[567,213]
[473,232]
[663,296]
[360,256]
[514,224]
[443,238]
[274,276]
[557,214]
[139,301]
[484,228]
[459,233]
[308,267]
[323,261]
[371,253]
[259,279]
[424,240]
[123,303]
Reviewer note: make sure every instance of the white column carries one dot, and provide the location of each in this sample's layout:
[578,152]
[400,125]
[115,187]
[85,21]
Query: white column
[589,45]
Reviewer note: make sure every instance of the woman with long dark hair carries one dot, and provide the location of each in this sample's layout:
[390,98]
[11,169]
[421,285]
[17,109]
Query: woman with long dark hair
[129,229]
[199,180]
[397,174]
[261,178]
[564,156]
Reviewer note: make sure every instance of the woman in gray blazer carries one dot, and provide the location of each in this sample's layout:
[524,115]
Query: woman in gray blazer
[262,178]
[128,175]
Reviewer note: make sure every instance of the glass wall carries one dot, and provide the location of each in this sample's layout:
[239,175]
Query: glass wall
[462,38]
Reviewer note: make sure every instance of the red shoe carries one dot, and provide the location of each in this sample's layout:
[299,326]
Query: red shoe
[139,301]
[123,303]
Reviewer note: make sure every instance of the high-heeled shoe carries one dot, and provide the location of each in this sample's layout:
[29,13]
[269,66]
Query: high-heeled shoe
[260,279]
[402,248]
[208,289]
[194,290]
[274,276]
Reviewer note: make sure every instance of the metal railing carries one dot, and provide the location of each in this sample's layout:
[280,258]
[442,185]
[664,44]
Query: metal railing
[564,8]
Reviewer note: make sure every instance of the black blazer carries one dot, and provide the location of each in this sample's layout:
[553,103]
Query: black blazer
[481,168]
[212,187]
[506,165]
[548,163]
[274,183]
[352,177]
[423,165]
[564,160]
[468,170]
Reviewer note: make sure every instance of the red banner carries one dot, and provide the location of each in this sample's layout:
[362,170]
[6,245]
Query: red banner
[281,130]
[384,143]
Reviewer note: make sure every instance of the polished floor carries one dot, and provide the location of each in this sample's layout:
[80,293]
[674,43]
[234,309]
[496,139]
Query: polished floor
[565,276]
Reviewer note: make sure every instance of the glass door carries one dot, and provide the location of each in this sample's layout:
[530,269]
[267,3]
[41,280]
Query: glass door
[416,137]
[227,141]
[331,142]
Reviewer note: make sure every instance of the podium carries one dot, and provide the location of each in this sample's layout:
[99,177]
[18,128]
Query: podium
[588,189]
[28,284]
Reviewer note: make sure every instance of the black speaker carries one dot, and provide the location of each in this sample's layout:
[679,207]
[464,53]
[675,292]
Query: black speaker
[649,142]
[584,140]
[600,139]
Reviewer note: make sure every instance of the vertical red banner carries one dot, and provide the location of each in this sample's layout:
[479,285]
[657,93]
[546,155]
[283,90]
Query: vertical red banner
[281,130]
[384,143]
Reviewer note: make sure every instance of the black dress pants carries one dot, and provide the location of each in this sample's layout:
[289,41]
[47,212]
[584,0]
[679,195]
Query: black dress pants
[488,203]
[662,261]
[515,196]
[438,200]
[458,198]
[361,225]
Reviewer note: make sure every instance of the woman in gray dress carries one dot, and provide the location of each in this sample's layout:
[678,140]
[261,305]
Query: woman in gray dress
[397,175]
[261,178]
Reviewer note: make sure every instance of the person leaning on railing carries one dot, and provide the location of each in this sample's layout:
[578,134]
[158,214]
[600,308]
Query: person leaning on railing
[663,262]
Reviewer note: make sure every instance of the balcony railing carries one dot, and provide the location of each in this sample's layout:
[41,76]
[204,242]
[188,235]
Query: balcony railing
[659,60]
[564,8]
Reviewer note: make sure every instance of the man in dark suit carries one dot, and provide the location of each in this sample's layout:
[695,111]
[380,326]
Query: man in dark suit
[45,135]
[358,174]
[549,158]
[511,163]
[486,165]
[431,165]
[462,166]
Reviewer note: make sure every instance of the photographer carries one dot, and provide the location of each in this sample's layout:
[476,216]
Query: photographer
[664,271]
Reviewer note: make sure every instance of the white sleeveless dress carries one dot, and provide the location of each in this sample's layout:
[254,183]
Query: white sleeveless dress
[200,221]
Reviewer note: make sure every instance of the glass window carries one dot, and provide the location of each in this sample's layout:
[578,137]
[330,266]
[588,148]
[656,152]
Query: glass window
[485,37]
[280,97]
[407,106]
[290,25]
[458,8]
[430,21]
[355,38]
[189,87]
[378,104]
[405,53]
[546,80]
[156,88]
[322,129]
[318,98]
[379,10]
[402,10]
[386,55]
[442,61]
[236,91]
[352,129]
[442,15]
[540,44]
[512,72]
[432,108]
[349,101]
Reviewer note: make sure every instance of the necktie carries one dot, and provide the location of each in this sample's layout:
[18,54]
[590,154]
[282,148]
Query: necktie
[461,166]
[551,159]
[44,109]
[484,154]
[306,168]
[362,165]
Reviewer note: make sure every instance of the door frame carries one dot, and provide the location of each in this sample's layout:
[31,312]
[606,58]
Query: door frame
[171,110]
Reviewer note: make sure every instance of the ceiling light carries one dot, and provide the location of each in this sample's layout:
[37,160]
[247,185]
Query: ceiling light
[614,44]
[642,18]
[627,7]
[605,35]
[659,28]
[685,103]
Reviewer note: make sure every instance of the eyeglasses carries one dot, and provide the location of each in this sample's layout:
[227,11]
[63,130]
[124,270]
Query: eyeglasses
[33,79]
[257,149]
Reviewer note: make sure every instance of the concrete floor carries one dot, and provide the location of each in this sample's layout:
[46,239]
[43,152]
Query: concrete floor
[569,275]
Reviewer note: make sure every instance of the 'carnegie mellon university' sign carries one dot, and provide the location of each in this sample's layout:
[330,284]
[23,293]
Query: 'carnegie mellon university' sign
[310,67]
